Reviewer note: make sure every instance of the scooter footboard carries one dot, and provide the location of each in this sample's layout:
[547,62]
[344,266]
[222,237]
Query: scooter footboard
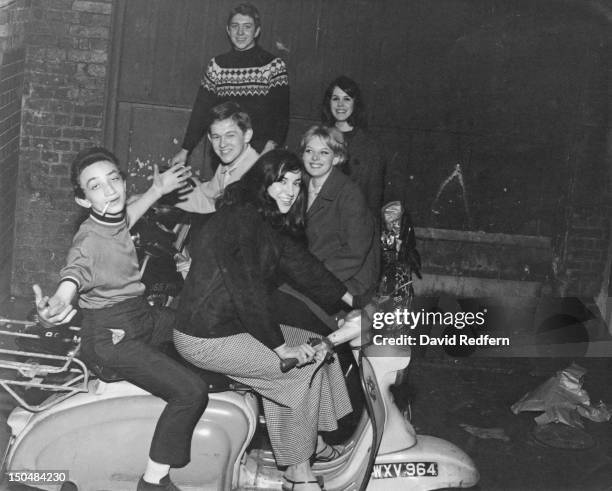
[39,367]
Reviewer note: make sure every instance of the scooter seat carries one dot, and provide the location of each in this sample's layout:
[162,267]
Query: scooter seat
[217,382]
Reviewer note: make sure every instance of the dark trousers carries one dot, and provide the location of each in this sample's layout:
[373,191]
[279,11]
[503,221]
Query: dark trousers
[137,358]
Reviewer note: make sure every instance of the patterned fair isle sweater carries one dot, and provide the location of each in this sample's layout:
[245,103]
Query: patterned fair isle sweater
[256,80]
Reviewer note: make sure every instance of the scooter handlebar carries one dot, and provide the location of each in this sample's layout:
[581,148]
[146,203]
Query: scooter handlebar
[287,364]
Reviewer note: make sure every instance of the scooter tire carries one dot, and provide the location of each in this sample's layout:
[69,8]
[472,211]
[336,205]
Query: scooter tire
[69,486]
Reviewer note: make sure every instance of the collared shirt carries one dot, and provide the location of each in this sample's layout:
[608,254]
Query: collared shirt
[228,171]
[204,196]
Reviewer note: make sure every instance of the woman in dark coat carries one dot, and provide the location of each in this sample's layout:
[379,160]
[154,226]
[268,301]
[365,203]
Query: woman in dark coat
[227,321]
[340,229]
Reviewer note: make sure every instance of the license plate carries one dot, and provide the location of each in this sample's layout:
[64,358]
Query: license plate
[405,469]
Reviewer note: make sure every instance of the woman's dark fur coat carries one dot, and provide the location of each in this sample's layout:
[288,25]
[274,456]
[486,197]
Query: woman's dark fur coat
[252,259]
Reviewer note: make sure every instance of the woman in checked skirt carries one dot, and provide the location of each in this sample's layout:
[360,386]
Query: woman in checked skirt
[227,321]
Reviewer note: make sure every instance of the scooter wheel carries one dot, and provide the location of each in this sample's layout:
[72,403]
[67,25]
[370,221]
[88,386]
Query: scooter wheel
[69,486]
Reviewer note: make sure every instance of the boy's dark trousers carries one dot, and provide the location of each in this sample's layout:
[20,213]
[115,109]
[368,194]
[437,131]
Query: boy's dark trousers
[138,360]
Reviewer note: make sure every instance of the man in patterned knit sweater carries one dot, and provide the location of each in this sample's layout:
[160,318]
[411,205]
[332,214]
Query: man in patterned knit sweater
[249,75]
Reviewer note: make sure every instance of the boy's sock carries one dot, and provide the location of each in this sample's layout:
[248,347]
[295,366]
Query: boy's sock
[155,471]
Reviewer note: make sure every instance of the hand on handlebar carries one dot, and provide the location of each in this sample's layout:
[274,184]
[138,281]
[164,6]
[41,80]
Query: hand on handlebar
[304,353]
[323,351]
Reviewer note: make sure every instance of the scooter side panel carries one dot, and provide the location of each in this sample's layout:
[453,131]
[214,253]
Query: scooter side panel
[103,442]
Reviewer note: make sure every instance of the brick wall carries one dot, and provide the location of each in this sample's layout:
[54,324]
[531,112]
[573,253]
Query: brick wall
[587,223]
[12,55]
[66,66]
[586,252]
[60,49]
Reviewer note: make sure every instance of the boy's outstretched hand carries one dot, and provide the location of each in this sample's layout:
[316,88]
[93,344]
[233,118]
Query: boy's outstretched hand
[52,311]
[173,178]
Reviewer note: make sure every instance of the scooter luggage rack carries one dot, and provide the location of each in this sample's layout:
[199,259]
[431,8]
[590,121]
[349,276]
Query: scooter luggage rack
[38,366]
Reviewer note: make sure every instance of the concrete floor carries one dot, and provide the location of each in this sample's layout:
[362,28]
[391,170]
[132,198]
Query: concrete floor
[448,393]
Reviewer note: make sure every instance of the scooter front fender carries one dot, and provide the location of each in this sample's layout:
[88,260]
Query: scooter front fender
[432,463]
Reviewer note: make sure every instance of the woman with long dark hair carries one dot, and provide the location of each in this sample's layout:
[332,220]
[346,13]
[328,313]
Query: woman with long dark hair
[227,321]
[343,107]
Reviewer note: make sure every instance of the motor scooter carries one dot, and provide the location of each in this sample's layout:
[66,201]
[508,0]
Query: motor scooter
[88,434]
[79,428]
